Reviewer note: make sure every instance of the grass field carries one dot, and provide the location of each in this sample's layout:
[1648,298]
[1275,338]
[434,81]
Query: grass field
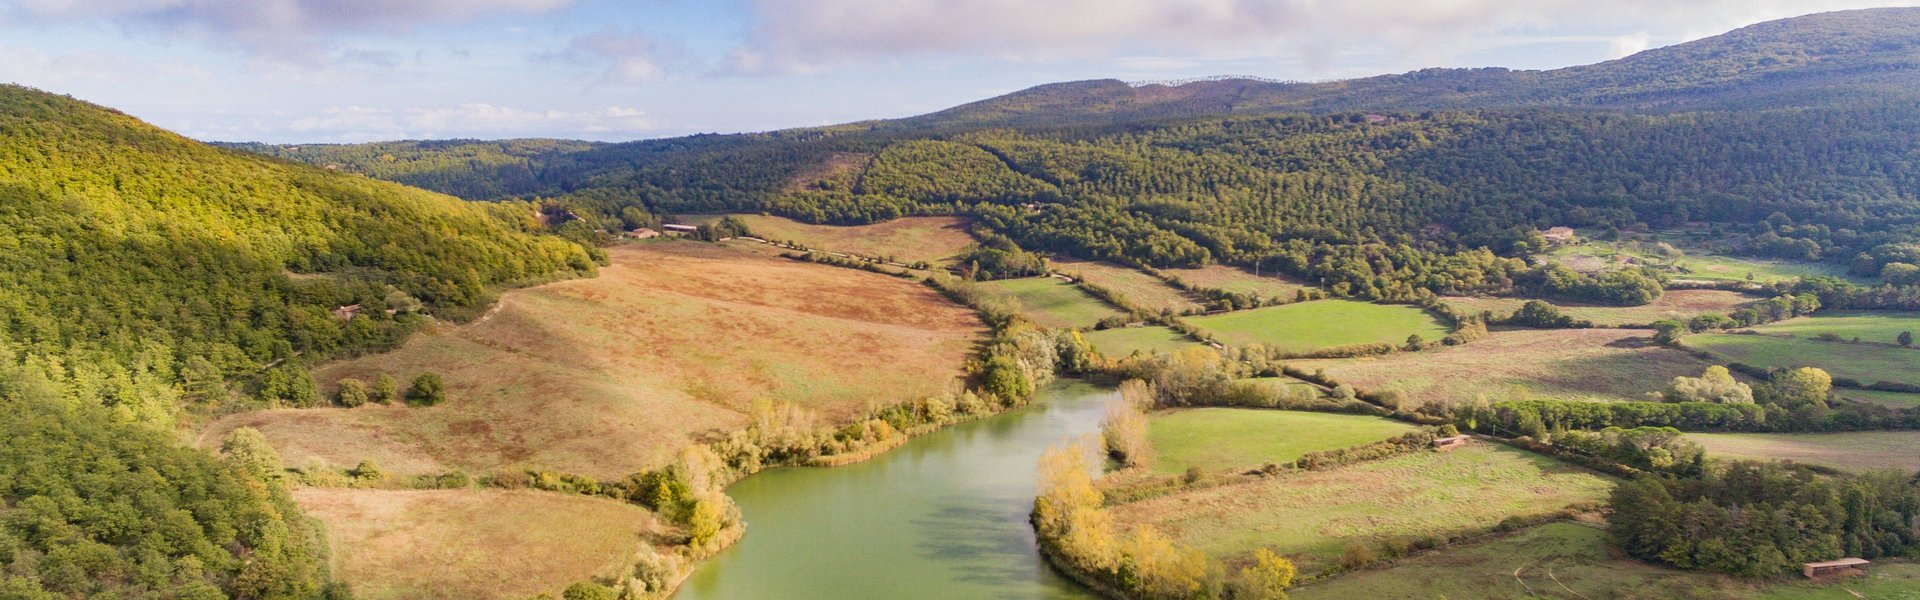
[1237,280]
[1122,342]
[1552,561]
[1874,327]
[1052,302]
[1227,438]
[485,544]
[1141,289]
[1855,450]
[1595,255]
[906,239]
[1884,581]
[1311,516]
[1865,362]
[1603,365]
[1674,304]
[610,375]
[1307,326]
[1887,399]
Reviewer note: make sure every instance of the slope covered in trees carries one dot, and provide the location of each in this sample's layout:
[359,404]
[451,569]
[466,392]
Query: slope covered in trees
[149,276]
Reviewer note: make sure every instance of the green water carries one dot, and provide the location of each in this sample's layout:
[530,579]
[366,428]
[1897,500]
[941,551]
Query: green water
[944,516]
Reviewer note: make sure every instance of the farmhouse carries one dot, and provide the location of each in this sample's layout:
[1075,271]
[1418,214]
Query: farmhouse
[1844,566]
[1449,443]
[1559,235]
[641,233]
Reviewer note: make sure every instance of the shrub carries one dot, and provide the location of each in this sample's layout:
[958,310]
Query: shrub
[385,389]
[587,591]
[427,390]
[352,393]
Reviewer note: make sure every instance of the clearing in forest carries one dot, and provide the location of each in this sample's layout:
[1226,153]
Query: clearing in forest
[1140,289]
[1597,255]
[1308,326]
[606,376]
[1312,516]
[1883,328]
[1052,302]
[1234,438]
[1601,365]
[1556,560]
[483,544]
[1866,363]
[936,240]
[1239,281]
[1673,304]
[1853,450]
[1121,342]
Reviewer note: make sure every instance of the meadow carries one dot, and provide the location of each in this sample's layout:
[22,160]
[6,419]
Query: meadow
[1593,255]
[936,240]
[1866,363]
[1673,304]
[1308,326]
[1121,342]
[1234,438]
[1599,365]
[1874,327]
[1140,289]
[1854,450]
[1555,560]
[1053,302]
[611,375]
[1887,399]
[1239,281]
[1312,516]
[484,544]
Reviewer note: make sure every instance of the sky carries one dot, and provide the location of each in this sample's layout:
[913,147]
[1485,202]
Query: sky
[309,71]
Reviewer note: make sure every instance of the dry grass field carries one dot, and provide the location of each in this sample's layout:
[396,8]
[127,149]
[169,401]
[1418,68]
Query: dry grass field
[1139,288]
[1603,365]
[1306,326]
[1855,450]
[1235,279]
[906,239]
[1674,304]
[1312,516]
[480,544]
[610,375]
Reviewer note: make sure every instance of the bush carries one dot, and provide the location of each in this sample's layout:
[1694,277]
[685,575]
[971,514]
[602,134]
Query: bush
[427,390]
[352,393]
[385,390]
[587,591]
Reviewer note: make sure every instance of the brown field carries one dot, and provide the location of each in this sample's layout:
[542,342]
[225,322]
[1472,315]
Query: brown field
[1139,288]
[1603,365]
[473,543]
[1674,304]
[906,239]
[1854,450]
[1312,516]
[611,375]
[1235,279]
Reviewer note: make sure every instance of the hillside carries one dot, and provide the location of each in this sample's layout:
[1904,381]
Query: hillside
[147,277]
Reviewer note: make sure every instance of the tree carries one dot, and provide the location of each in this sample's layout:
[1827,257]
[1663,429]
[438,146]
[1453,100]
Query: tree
[201,381]
[1415,343]
[1904,339]
[1266,579]
[427,390]
[1668,331]
[1805,386]
[1899,273]
[289,385]
[249,449]
[385,389]
[1716,385]
[352,393]
[587,591]
[368,470]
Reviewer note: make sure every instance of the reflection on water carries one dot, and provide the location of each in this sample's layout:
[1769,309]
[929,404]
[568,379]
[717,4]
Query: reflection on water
[944,516]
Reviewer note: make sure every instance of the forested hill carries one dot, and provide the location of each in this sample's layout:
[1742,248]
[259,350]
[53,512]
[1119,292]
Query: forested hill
[466,168]
[147,276]
[1806,60]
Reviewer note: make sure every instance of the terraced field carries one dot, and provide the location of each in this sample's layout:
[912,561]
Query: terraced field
[1142,290]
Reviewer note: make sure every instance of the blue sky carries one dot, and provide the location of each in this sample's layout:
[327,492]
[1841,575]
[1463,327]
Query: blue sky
[362,70]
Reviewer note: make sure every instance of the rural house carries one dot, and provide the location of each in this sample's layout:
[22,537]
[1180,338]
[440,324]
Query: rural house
[1559,235]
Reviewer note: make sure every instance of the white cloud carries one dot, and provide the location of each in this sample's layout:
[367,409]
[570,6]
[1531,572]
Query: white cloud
[807,35]
[626,55]
[480,120]
[1629,44]
[280,28]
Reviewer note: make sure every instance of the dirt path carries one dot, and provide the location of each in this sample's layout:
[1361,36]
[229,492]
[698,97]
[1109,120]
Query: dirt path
[1556,581]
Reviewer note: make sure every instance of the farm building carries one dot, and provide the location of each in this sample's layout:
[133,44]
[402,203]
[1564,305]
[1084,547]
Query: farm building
[1449,443]
[678,228]
[1559,235]
[642,233]
[1844,566]
[346,313]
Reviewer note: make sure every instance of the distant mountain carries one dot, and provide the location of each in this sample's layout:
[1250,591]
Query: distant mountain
[473,169]
[1794,61]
